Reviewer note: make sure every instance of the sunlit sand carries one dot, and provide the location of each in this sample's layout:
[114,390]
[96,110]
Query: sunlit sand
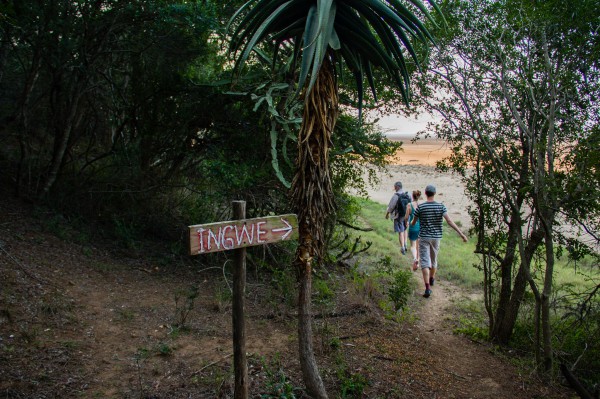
[414,166]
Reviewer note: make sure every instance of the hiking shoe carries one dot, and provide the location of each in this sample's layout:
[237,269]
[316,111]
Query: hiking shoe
[415,265]
[403,250]
[431,280]
[427,293]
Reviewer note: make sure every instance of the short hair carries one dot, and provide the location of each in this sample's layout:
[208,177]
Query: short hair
[430,190]
[398,184]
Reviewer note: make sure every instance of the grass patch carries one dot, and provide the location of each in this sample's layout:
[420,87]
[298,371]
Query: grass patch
[456,258]
[384,240]
[470,318]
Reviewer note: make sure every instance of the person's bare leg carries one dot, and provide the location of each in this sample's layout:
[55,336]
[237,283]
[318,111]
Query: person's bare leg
[433,255]
[426,279]
[425,271]
[418,257]
[415,254]
[402,242]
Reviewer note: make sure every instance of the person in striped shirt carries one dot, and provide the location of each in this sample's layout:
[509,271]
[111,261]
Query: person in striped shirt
[431,215]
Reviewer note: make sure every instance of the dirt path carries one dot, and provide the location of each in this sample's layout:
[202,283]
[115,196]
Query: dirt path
[82,320]
[463,367]
[460,367]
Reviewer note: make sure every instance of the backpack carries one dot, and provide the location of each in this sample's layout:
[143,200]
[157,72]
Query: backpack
[403,200]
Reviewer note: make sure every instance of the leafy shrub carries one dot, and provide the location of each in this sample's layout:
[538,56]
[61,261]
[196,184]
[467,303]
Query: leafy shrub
[352,384]
[184,304]
[400,289]
[322,291]
[277,384]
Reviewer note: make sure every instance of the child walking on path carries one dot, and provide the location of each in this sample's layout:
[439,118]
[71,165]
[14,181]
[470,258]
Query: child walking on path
[431,215]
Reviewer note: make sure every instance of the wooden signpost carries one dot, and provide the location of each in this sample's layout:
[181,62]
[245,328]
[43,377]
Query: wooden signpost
[223,236]
[237,235]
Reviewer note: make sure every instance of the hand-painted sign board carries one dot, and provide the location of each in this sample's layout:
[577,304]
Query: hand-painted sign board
[223,236]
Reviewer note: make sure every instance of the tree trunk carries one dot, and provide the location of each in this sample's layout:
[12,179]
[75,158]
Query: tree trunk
[506,282]
[310,371]
[312,196]
[62,137]
[504,329]
[22,112]
[547,292]
[536,330]
[4,49]
[547,202]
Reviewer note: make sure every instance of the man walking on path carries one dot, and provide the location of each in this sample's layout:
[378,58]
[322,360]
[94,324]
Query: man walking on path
[400,226]
[431,214]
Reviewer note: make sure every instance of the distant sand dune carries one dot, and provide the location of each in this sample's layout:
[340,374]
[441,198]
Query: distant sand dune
[414,166]
[422,152]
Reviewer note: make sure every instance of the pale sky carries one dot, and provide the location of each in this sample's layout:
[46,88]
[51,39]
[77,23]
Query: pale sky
[400,126]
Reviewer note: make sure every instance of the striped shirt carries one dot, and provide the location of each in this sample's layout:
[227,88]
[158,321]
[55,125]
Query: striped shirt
[431,216]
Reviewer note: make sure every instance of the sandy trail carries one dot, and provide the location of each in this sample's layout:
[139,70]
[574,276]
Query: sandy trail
[414,166]
[468,367]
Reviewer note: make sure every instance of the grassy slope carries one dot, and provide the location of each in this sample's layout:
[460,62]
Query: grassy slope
[457,259]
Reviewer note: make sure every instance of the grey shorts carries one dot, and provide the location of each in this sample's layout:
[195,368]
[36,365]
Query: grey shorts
[399,226]
[428,252]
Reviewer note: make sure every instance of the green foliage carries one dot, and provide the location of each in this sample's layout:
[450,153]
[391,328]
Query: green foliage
[125,233]
[399,284]
[505,142]
[158,140]
[322,291]
[160,349]
[184,304]
[365,38]
[142,353]
[575,332]
[351,385]
[223,296]
[360,149]
[56,226]
[328,335]
[470,319]
[278,385]
[214,379]
[284,281]
[164,349]
[400,288]
[363,283]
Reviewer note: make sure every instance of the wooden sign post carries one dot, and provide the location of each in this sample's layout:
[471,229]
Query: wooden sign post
[240,365]
[237,235]
[223,236]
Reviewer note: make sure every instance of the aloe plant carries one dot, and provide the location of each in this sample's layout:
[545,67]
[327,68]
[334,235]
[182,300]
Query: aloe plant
[326,36]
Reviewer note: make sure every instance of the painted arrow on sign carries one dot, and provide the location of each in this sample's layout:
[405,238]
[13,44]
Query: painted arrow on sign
[223,236]
[288,229]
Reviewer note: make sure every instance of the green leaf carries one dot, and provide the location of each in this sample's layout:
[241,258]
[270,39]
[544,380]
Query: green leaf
[326,20]
[274,157]
[334,41]
[310,32]
[262,30]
